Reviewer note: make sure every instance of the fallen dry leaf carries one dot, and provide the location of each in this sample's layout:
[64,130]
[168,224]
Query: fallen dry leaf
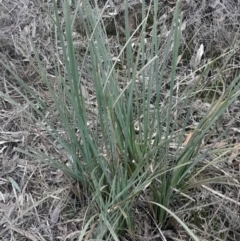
[55,214]
[189,135]
[27,234]
[199,55]
[220,144]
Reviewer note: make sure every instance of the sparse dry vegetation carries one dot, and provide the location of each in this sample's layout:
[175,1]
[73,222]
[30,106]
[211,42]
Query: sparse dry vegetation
[78,162]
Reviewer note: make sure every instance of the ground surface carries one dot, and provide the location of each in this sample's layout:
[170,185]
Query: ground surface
[38,202]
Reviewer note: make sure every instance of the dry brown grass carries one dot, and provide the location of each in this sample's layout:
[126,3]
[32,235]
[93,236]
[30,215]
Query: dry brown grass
[38,202]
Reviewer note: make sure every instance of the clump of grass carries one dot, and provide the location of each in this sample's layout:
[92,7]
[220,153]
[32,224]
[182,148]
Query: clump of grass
[136,145]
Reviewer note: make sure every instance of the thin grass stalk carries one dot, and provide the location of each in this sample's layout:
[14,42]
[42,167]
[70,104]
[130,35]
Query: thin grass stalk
[163,195]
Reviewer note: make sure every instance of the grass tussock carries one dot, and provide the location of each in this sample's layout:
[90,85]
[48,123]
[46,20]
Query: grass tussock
[138,120]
